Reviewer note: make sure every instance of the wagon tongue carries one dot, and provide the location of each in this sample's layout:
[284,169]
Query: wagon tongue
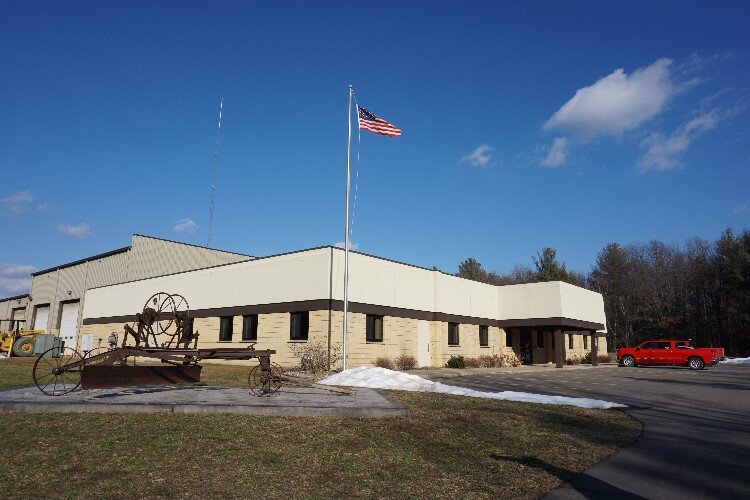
[109,377]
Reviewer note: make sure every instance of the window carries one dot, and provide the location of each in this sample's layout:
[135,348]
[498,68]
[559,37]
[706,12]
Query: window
[570,341]
[509,338]
[250,327]
[374,328]
[299,324]
[539,338]
[484,336]
[585,342]
[650,345]
[225,329]
[452,333]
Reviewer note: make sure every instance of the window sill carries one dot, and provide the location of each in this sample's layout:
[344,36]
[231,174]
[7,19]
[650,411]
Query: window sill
[297,341]
[225,341]
[454,345]
[377,342]
[484,346]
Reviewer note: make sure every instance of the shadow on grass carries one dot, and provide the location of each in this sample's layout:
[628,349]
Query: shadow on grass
[589,486]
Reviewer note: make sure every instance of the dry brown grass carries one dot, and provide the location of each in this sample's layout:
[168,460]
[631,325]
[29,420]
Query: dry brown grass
[449,447]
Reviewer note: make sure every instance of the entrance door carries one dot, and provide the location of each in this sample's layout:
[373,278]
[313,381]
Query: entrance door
[69,323]
[423,344]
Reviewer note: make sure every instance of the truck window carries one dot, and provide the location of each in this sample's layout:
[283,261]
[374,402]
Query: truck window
[663,345]
[650,345]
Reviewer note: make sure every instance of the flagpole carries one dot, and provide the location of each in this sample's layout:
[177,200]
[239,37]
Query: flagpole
[346,236]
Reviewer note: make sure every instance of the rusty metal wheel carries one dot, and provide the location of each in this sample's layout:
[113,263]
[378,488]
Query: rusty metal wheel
[58,371]
[261,384]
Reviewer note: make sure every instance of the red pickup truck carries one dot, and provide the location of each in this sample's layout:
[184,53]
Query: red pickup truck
[669,352]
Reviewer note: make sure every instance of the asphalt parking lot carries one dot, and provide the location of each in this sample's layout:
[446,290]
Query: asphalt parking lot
[696,437]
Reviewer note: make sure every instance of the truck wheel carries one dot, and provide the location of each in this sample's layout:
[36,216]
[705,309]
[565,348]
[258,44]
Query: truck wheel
[628,361]
[23,347]
[695,363]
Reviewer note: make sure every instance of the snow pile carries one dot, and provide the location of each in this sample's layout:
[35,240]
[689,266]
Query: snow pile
[382,378]
[3,356]
[736,361]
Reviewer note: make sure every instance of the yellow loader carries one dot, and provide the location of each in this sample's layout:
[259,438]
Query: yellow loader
[18,342]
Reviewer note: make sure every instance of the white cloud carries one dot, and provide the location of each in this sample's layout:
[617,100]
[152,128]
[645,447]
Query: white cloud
[81,231]
[616,103]
[663,151]
[557,153]
[16,203]
[480,157]
[352,245]
[739,209]
[185,226]
[14,278]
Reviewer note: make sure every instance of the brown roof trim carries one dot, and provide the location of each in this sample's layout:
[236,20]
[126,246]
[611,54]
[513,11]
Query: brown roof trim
[15,297]
[559,321]
[81,261]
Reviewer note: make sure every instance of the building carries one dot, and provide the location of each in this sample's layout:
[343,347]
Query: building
[292,299]
[13,312]
[58,294]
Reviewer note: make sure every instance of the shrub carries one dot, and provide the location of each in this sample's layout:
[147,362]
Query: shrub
[512,360]
[313,356]
[456,362]
[472,363]
[575,360]
[385,363]
[604,358]
[406,362]
[487,361]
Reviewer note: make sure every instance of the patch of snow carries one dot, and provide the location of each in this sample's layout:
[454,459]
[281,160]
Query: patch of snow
[382,378]
[3,356]
[736,361]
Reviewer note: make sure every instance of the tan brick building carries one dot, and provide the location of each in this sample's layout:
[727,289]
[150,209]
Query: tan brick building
[284,300]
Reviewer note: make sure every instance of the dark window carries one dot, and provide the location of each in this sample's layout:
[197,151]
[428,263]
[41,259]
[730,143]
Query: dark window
[484,335]
[539,338]
[650,345]
[374,328]
[300,322]
[250,327]
[452,333]
[665,345]
[570,341]
[508,338]
[225,329]
[585,342]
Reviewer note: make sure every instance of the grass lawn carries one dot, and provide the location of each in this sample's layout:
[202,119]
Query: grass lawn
[450,446]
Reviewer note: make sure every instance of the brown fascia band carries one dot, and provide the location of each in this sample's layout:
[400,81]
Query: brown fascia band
[362,308]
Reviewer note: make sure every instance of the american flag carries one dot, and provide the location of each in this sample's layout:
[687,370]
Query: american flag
[375,124]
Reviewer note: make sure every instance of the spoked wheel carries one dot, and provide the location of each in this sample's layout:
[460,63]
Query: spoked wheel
[265,384]
[58,371]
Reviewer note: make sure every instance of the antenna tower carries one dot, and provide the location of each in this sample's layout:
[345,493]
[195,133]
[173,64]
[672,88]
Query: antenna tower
[214,166]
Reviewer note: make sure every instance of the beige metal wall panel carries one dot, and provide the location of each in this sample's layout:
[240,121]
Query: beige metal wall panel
[387,283]
[579,303]
[44,291]
[531,300]
[108,270]
[292,277]
[383,282]
[154,257]
[465,297]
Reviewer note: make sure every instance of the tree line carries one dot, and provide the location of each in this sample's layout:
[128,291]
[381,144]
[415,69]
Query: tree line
[699,290]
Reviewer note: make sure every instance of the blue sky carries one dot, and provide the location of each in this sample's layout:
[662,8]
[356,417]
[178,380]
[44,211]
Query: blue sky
[564,124]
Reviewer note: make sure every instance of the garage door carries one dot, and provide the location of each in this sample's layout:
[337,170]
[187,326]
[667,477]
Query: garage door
[69,323]
[41,318]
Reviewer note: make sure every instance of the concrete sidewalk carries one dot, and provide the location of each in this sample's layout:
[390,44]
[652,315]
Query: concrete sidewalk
[288,402]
